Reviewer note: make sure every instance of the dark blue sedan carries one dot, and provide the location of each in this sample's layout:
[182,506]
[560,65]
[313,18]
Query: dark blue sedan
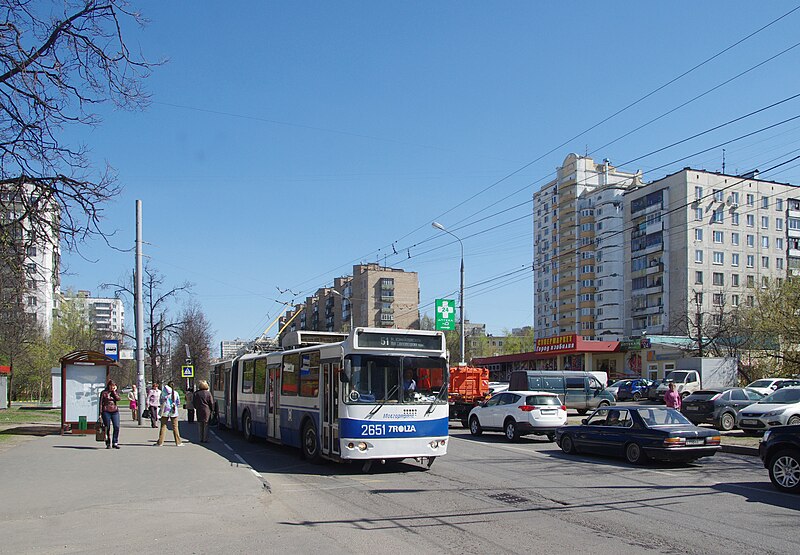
[633,389]
[639,433]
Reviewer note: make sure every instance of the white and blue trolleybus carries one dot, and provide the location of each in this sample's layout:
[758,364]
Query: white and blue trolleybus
[372,395]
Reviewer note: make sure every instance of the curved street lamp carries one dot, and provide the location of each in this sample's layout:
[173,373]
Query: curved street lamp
[440,227]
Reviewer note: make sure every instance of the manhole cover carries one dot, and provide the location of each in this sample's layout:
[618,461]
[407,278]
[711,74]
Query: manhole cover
[509,498]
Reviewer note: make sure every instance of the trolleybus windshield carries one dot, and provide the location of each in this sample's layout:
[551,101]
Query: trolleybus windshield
[391,379]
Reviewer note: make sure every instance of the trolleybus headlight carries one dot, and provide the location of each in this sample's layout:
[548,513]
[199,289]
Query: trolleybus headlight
[442,442]
[362,446]
[433,444]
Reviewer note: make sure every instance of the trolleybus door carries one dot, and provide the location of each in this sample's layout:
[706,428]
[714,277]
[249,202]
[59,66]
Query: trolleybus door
[330,408]
[273,410]
[227,415]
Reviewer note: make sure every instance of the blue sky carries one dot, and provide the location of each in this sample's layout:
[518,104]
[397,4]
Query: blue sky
[288,140]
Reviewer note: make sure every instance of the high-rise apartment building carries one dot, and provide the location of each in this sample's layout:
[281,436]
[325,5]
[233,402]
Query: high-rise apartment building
[374,296]
[578,249]
[698,242]
[228,349]
[30,260]
[106,315]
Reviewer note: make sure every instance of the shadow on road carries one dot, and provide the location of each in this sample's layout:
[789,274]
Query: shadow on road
[761,492]
[38,431]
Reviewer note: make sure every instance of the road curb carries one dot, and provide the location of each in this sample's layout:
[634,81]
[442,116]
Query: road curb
[740,450]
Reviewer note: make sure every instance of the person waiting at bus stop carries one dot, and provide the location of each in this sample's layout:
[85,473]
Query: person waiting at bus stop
[170,403]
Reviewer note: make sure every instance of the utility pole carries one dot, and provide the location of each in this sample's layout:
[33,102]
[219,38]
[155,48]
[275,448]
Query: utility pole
[139,313]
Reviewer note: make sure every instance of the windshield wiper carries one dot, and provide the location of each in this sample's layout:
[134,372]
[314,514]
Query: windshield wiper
[430,407]
[371,413]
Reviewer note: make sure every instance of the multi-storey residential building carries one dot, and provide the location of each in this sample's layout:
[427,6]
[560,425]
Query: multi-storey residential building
[578,251]
[106,315]
[698,242]
[31,260]
[374,296]
[229,348]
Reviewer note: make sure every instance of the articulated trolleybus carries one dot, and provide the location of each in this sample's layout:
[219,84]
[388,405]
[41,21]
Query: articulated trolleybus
[371,395]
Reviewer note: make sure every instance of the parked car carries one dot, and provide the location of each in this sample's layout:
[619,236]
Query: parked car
[518,413]
[496,387]
[780,451]
[614,387]
[786,383]
[768,385]
[639,432]
[719,408]
[633,389]
[780,408]
[652,391]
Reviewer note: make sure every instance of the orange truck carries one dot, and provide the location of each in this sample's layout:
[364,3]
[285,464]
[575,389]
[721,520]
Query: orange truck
[469,386]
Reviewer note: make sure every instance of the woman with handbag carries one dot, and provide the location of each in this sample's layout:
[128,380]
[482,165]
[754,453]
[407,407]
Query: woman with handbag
[133,401]
[110,413]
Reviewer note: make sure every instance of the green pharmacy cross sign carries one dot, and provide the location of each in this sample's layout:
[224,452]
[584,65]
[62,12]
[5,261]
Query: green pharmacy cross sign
[445,314]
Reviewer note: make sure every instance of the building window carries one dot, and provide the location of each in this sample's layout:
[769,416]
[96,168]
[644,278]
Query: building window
[735,300]
[719,196]
[779,224]
[751,240]
[765,242]
[779,243]
[764,222]
[751,199]
[751,220]
[751,281]
[764,282]
[735,280]
[719,257]
[698,256]
[698,234]
[734,238]
[735,198]
[735,218]
[718,278]
[779,204]
[719,216]
[751,260]
[718,299]
[698,214]
[698,278]
[718,237]
[779,263]
[794,223]
[698,192]
[735,259]
[31,301]
[765,261]
[764,202]
[750,301]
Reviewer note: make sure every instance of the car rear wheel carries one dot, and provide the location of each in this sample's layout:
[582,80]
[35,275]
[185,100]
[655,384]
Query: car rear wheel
[475,426]
[634,454]
[784,470]
[727,422]
[603,404]
[793,421]
[637,396]
[511,430]
[567,445]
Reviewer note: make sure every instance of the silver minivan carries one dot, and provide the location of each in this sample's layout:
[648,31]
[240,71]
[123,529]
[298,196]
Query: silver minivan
[578,390]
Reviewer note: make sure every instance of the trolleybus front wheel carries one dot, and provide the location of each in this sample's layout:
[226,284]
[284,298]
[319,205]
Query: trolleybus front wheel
[310,443]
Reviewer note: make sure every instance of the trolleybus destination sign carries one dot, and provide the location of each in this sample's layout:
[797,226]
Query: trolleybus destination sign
[373,339]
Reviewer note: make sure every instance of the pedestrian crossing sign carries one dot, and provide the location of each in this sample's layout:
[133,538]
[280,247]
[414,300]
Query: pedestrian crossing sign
[187,371]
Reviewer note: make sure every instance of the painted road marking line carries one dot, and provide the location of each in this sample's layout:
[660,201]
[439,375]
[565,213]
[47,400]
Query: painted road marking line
[264,483]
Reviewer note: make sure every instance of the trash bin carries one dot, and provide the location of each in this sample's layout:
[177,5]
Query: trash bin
[82,423]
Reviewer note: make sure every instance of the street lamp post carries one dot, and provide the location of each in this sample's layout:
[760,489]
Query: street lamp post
[440,227]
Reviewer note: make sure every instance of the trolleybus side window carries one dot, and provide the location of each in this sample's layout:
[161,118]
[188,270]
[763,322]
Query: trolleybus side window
[309,374]
[260,379]
[247,377]
[291,367]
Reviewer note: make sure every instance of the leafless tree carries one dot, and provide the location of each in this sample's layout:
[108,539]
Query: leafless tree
[159,328]
[58,61]
[194,332]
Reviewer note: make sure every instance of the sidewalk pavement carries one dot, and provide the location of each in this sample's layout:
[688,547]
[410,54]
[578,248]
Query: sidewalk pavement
[70,494]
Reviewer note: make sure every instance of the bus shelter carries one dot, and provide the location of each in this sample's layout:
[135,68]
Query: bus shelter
[84,375]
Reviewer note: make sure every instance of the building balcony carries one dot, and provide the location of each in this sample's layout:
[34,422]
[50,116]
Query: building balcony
[387,310]
[387,296]
[794,253]
[655,269]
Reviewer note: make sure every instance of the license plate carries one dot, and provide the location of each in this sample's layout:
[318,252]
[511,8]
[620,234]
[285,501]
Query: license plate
[747,422]
[692,408]
[695,441]
[548,411]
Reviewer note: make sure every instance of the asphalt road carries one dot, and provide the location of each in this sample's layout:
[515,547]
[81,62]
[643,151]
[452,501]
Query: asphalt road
[65,495]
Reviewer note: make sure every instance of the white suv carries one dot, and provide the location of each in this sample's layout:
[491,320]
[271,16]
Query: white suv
[518,413]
